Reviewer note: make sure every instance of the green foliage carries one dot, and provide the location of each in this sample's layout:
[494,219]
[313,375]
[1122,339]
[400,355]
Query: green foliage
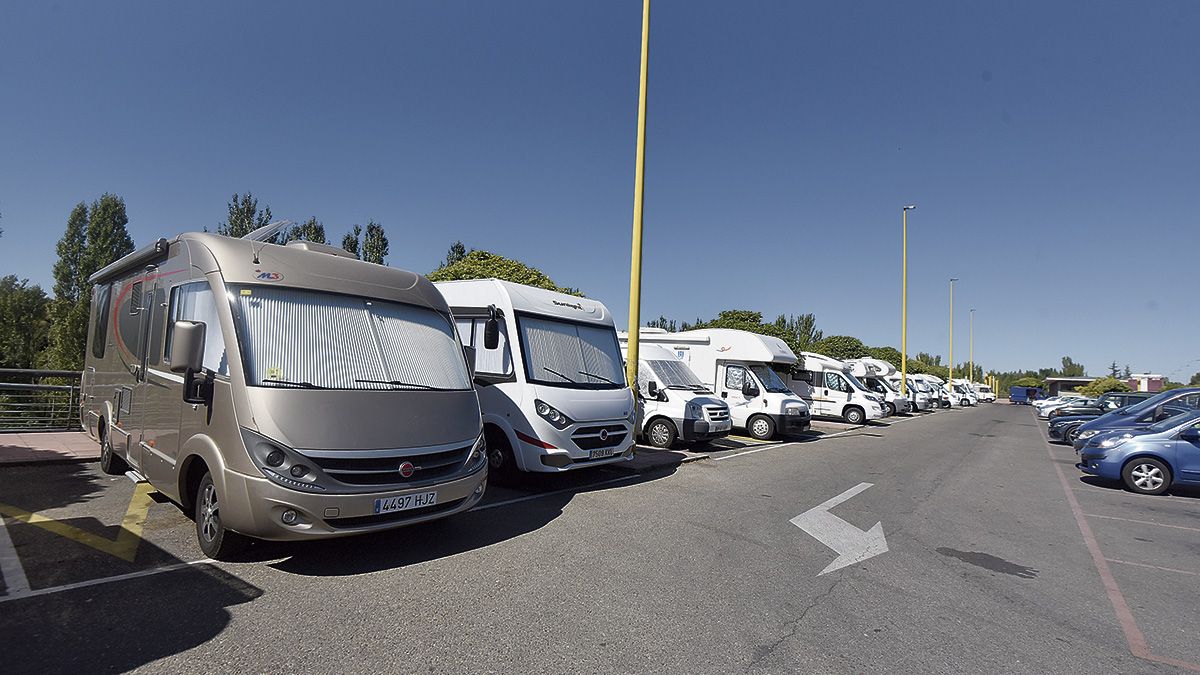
[1027,382]
[748,320]
[311,230]
[1114,370]
[889,354]
[663,323]
[485,265]
[350,241]
[374,244]
[1070,368]
[1101,386]
[802,328]
[1169,385]
[840,347]
[929,359]
[244,216]
[456,253]
[1195,381]
[24,322]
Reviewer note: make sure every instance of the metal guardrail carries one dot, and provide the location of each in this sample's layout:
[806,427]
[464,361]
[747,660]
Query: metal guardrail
[42,400]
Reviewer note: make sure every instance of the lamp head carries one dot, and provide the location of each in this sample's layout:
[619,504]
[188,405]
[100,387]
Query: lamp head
[910,207]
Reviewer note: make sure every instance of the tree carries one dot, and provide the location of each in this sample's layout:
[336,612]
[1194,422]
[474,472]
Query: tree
[244,216]
[350,241]
[456,253]
[1100,386]
[63,331]
[840,347]
[749,320]
[1028,382]
[929,359]
[1128,373]
[311,230]
[889,354]
[663,323]
[803,328]
[24,322]
[1195,381]
[1114,370]
[485,265]
[374,244]
[1070,368]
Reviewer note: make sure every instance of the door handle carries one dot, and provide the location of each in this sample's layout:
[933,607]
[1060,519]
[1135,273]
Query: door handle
[724,394]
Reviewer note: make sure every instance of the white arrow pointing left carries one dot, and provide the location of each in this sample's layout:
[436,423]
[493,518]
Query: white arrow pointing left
[850,543]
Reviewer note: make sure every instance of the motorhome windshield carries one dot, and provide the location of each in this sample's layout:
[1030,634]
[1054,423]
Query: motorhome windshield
[305,339]
[676,375]
[856,383]
[567,354]
[770,380]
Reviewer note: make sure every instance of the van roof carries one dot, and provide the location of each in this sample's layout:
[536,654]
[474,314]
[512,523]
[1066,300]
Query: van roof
[483,292]
[732,343]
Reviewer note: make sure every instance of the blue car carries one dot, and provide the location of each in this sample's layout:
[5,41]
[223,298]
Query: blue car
[1150,460]
[1152,410]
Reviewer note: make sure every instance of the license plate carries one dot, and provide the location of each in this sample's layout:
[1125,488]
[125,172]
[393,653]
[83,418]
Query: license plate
[722,426]
[602,453]
[405,502]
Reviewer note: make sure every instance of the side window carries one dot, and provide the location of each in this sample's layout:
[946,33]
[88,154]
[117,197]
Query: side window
[735,376]
[154,305]
[464,331]
[100,306]
[498,361]
[195,302]
[835,382]
[135,299]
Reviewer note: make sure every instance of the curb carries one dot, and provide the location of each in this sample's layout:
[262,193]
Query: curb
[53,460]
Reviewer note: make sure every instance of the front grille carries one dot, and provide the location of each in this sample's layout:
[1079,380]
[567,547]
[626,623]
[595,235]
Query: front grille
[716,413]
[589,438]
[395,516]
[385,469]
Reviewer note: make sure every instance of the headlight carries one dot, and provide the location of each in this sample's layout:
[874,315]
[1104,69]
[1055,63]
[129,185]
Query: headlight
[281,464]
[1087,434]
[551,415]
[795,410]
[1114,442]
[694,411]
[478,452]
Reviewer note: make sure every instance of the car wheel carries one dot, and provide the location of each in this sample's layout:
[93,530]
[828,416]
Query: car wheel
[502,465]
[217,542]
[661,433]
[761,428]
[891,408]
[1070,434]
[110,462]
[853,415]
[1147,476]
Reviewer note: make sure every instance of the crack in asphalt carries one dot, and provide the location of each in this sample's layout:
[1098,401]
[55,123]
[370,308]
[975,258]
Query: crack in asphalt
[762,653]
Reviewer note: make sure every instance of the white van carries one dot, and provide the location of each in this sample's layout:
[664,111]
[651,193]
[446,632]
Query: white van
[743,368]
[549,374]
[832,390]
[985,393]
[874,373]
[937,389]
[963,394]
[918,392]
[673,404]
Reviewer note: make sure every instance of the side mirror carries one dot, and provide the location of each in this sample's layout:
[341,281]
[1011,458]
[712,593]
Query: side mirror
[803,376]
[187,346]
[491,334]
[652,390]
[749,389]
[469,354]
[1190,434]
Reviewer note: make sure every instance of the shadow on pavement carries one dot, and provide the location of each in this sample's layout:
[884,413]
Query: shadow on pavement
[1185,491]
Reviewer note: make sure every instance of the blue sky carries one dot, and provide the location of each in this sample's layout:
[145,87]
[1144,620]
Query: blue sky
[1038,139]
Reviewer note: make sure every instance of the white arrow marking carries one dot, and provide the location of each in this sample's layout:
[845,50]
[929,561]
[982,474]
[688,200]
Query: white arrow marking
[850,543]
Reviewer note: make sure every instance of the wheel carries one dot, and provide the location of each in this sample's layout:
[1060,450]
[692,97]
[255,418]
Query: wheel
[1147,476]
[110,463]
[761,427]
[217,542]
[1070,434]
[502,465]
[853,415]
[661,433]
[891,408]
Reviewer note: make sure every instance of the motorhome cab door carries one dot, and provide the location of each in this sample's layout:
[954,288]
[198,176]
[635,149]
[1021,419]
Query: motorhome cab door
[134,323]
[834,392]
[730,380]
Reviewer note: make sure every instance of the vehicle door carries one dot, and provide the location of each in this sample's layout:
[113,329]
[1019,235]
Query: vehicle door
[835,392]
[162,389]
[730,382]
[1187,453]
[134,324]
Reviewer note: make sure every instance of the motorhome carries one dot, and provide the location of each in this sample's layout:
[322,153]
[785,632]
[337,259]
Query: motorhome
[549,375]
[744,370]
[874,373]
[919,394]
[280,392]
[964,387]
[985,393]
[673,404]
[937,389]
[831,389]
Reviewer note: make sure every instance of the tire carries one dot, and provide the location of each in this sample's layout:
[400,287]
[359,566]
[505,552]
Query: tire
[854,415]
[1070,434]
[891,409]
[661,433]
[217,542]
[761,427]
[110,462]
[1146,476]
[502,465]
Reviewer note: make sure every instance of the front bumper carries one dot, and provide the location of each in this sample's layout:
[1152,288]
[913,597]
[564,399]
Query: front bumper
[1099,466]
[703,430]
[790,425]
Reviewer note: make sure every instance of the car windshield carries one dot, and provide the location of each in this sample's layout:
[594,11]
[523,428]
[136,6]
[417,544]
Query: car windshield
[675,375]
[770,380]
[1146,404]
[568,354]
[1175,419]
[307,339]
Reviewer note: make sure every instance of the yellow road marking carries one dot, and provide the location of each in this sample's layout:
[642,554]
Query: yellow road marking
[124,546]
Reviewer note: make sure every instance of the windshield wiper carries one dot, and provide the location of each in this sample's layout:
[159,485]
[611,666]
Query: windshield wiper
[291,383]
[555,372]
[400,383]
[598,377]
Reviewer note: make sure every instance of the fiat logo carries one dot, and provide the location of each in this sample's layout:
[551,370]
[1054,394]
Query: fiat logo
[604,434]
[407,469]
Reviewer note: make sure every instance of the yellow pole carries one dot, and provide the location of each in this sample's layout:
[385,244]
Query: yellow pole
[639,185]
[950,383]
[971,377]
[904,302]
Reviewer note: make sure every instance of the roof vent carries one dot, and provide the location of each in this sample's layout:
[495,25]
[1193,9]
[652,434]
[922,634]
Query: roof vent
[321,248]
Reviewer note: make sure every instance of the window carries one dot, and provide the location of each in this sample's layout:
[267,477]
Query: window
[568,354]
[489,362]
[135,299]
[100,308]
[735,377]
[835,382]
[195,302]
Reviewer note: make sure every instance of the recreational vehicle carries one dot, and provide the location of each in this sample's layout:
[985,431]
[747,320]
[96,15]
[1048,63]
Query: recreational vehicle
[874,373]
[280,392]
[549,375]
[744,369]
[673,404]
[832,390]
[918,393]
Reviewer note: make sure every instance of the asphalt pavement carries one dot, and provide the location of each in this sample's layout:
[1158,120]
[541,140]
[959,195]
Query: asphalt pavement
[999,558]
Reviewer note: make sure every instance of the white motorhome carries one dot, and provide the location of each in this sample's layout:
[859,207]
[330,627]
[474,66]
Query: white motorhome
[549,374]
[874,373]
[280,392]
[832,390]
[918,393]
[743,368]
[673,404]
[963,395]
[937,389]
[985,392]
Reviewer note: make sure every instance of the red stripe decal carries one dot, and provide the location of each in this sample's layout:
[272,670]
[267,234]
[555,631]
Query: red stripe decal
[535,442]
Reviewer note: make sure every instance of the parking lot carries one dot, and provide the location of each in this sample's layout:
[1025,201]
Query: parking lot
[998,558]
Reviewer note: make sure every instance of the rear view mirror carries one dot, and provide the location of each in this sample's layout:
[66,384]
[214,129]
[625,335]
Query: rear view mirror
[491,334]
[749,389]
[187,346]
[652,390]
[1190,434]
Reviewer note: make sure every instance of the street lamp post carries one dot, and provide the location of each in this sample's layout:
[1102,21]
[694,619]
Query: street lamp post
[971,377]
[639,184]
[904,301]
[950,383]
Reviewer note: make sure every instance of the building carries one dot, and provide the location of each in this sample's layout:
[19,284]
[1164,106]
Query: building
[1146,382]
[1061,385]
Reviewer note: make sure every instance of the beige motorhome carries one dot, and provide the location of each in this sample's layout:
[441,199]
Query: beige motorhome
[281,392]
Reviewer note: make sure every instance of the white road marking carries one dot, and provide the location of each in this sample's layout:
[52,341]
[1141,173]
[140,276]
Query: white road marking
[103,580]
[526,498]
[850,543]
[10,564]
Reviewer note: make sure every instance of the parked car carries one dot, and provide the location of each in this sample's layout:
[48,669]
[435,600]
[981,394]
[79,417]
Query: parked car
[1043,411]
[1150,460]
[1106,403]
[1141,415]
